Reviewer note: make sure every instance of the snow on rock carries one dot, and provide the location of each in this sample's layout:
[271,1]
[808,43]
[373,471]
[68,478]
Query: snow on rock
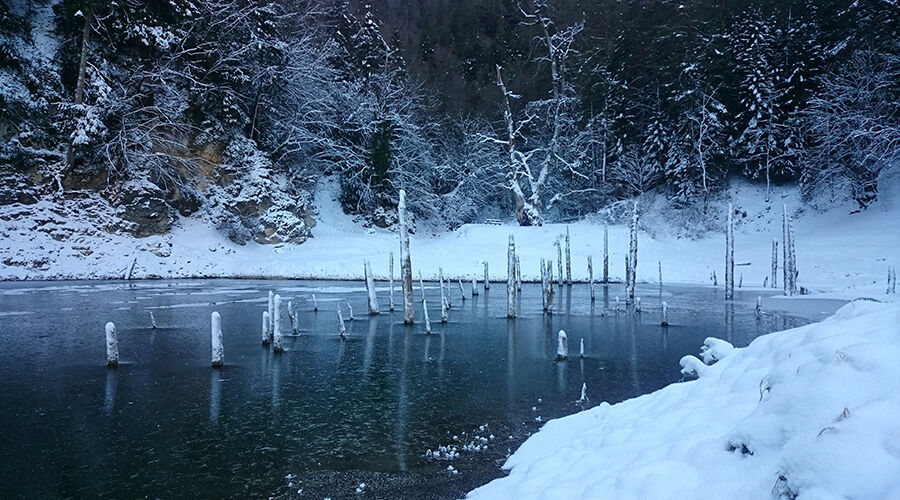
[714,350]
[808,413]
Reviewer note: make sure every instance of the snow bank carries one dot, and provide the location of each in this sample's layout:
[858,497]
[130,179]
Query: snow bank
[808,413]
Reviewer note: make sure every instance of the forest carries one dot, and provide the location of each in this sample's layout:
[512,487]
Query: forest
[543,110]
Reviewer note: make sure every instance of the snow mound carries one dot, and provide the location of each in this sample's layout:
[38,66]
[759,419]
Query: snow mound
[808,413]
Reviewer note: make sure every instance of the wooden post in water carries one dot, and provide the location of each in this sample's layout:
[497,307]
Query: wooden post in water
[271,312]
[342,331]
[474,284]
[112,346]
[591,277]
[409,316]
[218,351]
[391,279]
[315,303]
[606,253]
[562,346]
[729,255]
[424,304]
[266,326]
[277,345]
[518,274]
[462,293]
[633,253]
[370,289]
[511,289]
[487,277]
[665,314]
[568,259]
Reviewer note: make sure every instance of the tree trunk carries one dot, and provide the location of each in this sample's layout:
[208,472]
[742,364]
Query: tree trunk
[568,259]
[370,289]
[406,276]
[606,253]
[511,279]
[82,71]
[729,256]
[633,249]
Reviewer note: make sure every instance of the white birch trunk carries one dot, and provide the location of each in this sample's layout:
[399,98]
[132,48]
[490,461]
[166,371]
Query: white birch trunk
[511,289]
[218,350]
[370,290]
[277,345]
[729,255]
[406,277]
[591,277]
[112,345]
[568,259]
[266,326]
[562,346]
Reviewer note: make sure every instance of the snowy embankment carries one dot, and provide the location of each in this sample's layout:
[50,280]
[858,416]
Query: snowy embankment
[842,254]
[808,413]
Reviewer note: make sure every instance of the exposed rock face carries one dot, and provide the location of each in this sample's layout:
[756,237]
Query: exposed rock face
[143,204]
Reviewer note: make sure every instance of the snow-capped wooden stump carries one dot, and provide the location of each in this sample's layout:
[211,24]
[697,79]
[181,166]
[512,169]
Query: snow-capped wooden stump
[112,346]
[665,314]
[562,346]
[370,289]
[511,279]
[218,350]
[406,277]
[266,327]
[277,341]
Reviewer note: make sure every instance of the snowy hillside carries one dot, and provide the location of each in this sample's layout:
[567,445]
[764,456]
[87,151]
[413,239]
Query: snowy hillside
[839,253]
[808,413]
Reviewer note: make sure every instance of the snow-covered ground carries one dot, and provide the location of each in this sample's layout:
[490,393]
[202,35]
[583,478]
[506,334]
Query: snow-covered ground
[808,413]
[837,253]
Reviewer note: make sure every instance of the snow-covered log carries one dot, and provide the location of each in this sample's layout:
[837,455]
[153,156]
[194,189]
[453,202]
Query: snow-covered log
[130,270]
[568,259]
[391,280]
[218,350]
[562,346]
[511,289]
[406,277]
[112,346]
[633,253]
[591,277]
[277,345]
[370,289]
[266,327]
[665,314]
[729,255]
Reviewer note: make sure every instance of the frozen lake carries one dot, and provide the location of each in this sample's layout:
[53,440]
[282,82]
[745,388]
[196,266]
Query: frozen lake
[326,414]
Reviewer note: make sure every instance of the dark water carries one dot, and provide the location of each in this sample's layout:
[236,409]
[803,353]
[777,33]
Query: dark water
[326,414]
